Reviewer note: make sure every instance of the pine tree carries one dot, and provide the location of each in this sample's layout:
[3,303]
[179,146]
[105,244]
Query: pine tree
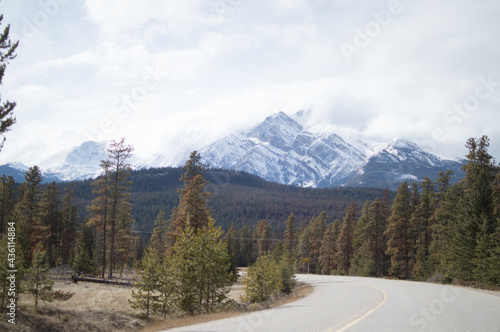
[193,198]
[120,208]
[147,283]
[246,248]
[262,235]
[202,265]
[99,209]
[28,213]
[7,53]
[304,247]
[291,234]
[377,225]
[328,250]
[51,220]
[263,280]
[422,220]
[363,262]
[37,276]
[286,265]
[345,250]
[69,221]
[232,249]
[399,233]
[168,298]
[318,226]
[447,214]
[159,238]
[83,262]
[124,238]
[471,243]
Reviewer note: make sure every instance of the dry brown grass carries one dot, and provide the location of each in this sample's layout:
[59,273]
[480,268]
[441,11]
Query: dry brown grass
[89,306]
[82,307]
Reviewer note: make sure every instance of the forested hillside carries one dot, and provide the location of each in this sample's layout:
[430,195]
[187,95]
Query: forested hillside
[237,197]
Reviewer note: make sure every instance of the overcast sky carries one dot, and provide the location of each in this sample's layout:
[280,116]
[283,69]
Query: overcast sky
[176,75]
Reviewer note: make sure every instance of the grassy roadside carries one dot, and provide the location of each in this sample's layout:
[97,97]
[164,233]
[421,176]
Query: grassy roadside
[301,291]
[100,307]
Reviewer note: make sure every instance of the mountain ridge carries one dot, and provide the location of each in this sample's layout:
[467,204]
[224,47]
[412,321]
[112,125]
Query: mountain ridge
[280,149]
[287,153]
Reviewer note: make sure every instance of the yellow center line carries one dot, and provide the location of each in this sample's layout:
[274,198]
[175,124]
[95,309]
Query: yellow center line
[367,313]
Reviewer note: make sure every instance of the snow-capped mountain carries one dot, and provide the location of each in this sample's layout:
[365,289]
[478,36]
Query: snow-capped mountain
[79,163]
[280,150]
[403,160]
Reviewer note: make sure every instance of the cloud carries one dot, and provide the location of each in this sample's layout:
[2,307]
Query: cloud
[174,75]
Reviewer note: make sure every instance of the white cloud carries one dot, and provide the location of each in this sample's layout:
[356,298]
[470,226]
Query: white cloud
[225,65]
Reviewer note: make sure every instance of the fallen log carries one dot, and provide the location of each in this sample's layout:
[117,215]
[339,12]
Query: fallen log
[76,279]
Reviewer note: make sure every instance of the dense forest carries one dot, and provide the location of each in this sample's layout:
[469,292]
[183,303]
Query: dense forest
[237,197]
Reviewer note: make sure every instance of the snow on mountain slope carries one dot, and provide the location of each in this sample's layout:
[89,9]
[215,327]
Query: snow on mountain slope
[79,163]
[403,160]
[280,149]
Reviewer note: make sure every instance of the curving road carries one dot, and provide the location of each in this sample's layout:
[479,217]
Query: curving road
[368,304]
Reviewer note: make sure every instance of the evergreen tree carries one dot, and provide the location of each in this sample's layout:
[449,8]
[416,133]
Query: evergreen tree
[328,250]
[363,262]
[304,247]
[37,277]
[246,246]
[286,265]
[291,234]
[28,213]
[345,250]
[7,53]
[377,225]
[99,209]
[202,264]
[159,240]
[69,221]
[263,280]
[147,283]
[262,235]
[193,198]
[446,216]
[167,300]
[422,220]
[124,238]
[83,262]
[120,209]
[399,233]
[232,249]
[318,226]
[471,244]
[51,220]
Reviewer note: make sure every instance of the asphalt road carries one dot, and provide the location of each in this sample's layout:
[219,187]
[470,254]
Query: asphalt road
[368,304]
